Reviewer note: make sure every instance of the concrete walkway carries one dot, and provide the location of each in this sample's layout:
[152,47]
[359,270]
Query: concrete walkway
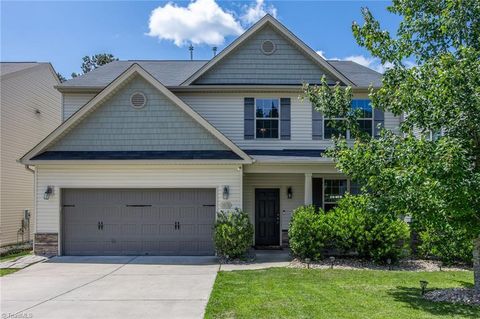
[264,259]
[110,287]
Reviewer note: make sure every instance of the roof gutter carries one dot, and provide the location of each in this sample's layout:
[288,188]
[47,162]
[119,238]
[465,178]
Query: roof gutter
[208,88]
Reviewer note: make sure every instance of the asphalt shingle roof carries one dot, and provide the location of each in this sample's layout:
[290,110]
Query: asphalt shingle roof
[357,73]
[136,155]
[169,73]
[173,73]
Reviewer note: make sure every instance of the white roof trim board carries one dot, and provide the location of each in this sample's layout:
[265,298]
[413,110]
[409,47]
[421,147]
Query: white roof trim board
[268,19]
[84,111]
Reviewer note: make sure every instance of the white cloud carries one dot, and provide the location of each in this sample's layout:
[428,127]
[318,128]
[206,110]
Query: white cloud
[201,22]
[257,11]
[372,63]
[321,53]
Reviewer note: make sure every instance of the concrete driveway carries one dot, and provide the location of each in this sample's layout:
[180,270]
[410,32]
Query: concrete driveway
[110,287]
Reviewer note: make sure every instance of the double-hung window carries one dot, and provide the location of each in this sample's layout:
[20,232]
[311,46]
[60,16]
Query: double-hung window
[267,118]
[365,120]
[334,189]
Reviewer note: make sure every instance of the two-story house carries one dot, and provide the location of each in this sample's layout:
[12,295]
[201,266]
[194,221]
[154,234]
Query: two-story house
[150,150]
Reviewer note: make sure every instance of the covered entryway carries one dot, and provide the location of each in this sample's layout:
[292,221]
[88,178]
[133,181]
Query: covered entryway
[138,221]
[267,217]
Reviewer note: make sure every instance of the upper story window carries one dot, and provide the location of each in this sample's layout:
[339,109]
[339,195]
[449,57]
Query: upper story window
[365,120]
[267,118]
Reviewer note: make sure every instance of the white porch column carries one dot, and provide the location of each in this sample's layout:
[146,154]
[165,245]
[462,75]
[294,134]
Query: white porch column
[308,188]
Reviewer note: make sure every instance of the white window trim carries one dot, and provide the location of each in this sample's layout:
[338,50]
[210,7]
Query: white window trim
[262,118]
[323,188]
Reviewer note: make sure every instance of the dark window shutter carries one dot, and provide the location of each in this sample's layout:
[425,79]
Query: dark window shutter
[249,118]
[285,110]
[378,122]
[317,125]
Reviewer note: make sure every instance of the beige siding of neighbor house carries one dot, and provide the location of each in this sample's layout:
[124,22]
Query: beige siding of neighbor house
[225,112]
[74,101]
[22,93]
[131,176]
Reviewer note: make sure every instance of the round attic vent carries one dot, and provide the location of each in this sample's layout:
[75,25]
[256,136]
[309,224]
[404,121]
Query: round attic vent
[138,100]
[268,47]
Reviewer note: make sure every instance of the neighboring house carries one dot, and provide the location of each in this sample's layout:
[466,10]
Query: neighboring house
[30,108]
[150,150]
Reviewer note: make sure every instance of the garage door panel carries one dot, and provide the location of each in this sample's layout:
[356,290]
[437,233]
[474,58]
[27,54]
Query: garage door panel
[138,221]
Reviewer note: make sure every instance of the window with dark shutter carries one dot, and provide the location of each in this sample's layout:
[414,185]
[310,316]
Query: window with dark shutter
[317,125]
[249,118]
[285,115]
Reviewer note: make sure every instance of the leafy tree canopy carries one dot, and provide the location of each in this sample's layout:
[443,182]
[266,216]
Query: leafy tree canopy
[433,180]
[91,63]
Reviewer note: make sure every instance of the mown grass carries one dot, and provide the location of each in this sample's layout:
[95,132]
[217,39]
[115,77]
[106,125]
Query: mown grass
[349,294]
[7,271]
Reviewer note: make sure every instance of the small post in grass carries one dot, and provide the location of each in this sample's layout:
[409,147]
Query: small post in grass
[423,285]
[389,263]
[307,260]
[332,260]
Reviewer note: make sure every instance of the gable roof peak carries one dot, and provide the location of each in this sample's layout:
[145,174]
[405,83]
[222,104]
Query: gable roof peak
[284,31]
[134,70]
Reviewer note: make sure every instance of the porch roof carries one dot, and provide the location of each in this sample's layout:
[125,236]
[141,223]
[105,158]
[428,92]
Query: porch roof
[288,156]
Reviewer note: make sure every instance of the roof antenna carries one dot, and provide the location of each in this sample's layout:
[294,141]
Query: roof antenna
[190,48]
[214,51]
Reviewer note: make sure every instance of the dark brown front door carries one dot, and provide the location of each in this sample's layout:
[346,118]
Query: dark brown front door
[267,217]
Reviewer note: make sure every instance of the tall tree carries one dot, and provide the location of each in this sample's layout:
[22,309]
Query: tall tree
[433,180]
[91,63]
[61,78]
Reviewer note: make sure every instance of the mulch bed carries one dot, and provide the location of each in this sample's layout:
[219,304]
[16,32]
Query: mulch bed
[454,295]
[358,264]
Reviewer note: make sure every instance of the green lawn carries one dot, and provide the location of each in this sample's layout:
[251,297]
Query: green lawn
[15,255]
[7,271]
[302,293]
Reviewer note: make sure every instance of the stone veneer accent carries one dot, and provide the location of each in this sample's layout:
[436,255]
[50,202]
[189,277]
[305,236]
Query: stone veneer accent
[46,244]
[285,242]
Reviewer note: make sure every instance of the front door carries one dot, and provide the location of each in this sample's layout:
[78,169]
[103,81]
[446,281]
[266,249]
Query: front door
[267,217]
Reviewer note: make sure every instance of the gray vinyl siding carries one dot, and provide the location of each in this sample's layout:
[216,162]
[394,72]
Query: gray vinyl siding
[226,112]
[116,126]
[72,102]
[248,65]
[22,128]
[280,181]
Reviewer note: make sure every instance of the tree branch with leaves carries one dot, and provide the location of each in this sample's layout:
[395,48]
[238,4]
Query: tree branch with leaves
[433,180]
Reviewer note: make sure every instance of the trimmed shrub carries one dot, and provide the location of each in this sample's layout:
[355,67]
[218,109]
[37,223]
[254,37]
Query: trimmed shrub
[352,226]
[307,233]
[385,238]
[233,234]
[371,234]
[448,244]
[346,224]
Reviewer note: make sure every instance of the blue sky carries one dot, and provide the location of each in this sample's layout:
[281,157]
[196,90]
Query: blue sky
[62,32]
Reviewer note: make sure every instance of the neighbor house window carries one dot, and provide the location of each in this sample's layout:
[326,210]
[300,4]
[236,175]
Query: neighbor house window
[365,120]
[267,118]
[334,189]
